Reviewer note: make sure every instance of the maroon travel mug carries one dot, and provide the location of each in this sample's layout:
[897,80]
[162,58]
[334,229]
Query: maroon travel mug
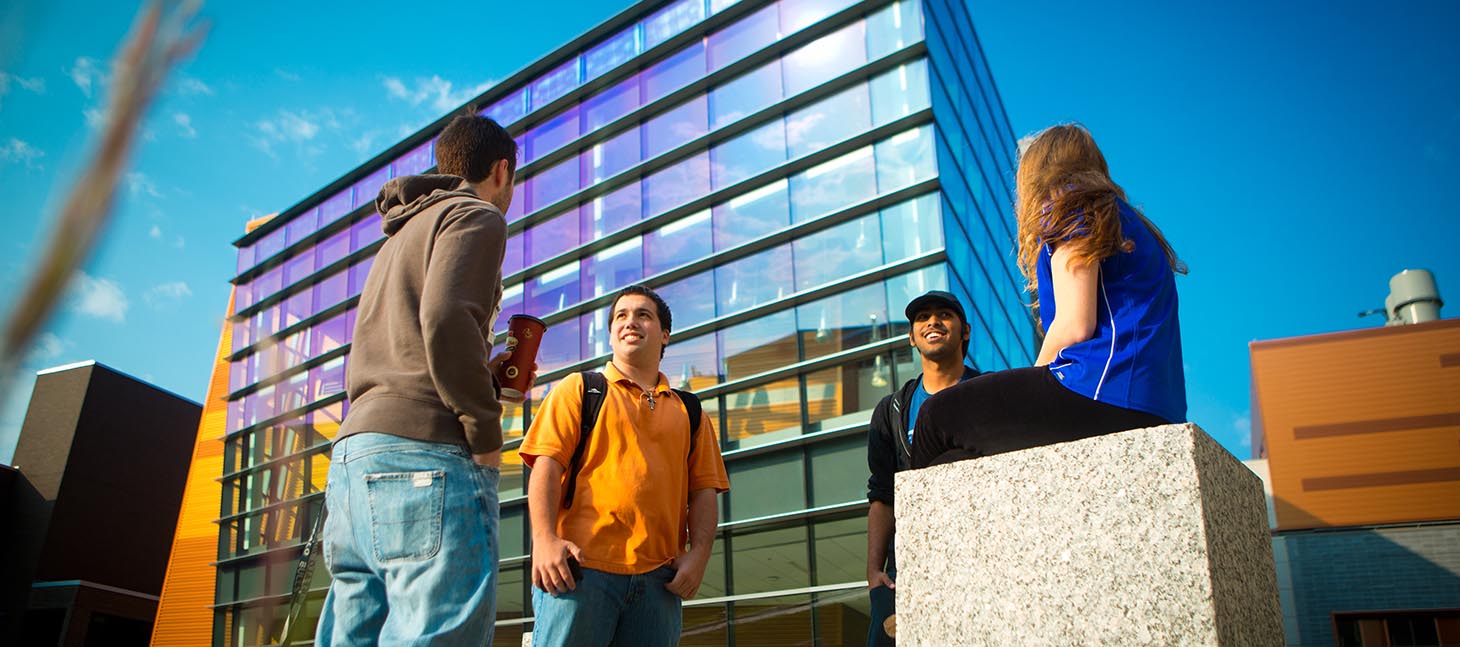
[524,335]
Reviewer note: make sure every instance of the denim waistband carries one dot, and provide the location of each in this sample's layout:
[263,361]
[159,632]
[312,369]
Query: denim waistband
[365,444]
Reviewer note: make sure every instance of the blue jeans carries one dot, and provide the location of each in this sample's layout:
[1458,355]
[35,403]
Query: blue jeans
[608,610]
[411,544]
[884,604]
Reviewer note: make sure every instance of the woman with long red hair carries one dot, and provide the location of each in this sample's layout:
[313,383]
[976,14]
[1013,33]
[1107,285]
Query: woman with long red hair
[1102,275]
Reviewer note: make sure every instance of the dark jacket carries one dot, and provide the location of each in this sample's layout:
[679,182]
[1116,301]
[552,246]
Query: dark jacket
[418,358]
[888,451]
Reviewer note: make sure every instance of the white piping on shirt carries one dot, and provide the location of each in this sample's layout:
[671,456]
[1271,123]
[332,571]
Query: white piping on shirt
[1110,313]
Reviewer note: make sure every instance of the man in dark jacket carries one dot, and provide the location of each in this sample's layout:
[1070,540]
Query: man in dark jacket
[940,332]
[411,538]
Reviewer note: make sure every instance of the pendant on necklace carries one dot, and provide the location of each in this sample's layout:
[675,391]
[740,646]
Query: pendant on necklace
[650,396]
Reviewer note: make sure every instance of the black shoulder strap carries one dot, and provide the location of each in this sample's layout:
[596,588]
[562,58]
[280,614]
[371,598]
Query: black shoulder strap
[691,407]
[595,386]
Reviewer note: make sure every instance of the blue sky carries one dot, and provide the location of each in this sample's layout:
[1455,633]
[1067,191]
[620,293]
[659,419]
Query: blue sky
[1297,154]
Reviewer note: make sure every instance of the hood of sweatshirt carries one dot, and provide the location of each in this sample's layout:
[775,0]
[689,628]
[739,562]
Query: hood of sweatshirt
[404,197]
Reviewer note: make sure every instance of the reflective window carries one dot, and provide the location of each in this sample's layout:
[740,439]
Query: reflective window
[757,346]
[745,94]
[842,321]
[752,215]
[691,363]
[337,207]
[552,291]
[269,282]
[297,308]
[901,290]
[245,258]
[560,346]
[332,290]
[905,159]
[799,14]
[301,226]
[552,237]
[746,36]
[832,185]
[298,268]
[675,127]
[611,104]
[508,110]
[691,299]
[271,244]
[682,241]
[893,28]
[900,92]
[613,268]
[763,413]
[552,185]
[911,228]
[554,84]
[358,273]
[753,280]
[846,395]
[415,162]
[368,189]
[365,231]
[512,255]
[841,545]
[825,58]
[612,212]
[825,256]
[831,120]
[551,135]
[611,53]
[594,325]
[677,185]
[766,485]
[519,202]
[672,20]
[673,73]
[610,157]
[748,154]
[511,305]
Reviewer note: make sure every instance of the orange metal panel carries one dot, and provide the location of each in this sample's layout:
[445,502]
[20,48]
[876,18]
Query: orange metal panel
[1361,427]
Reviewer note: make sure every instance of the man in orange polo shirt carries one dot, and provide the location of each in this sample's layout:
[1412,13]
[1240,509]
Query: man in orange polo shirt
[643,490]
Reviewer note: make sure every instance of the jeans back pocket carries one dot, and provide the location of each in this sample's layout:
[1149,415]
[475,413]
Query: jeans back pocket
[405,513]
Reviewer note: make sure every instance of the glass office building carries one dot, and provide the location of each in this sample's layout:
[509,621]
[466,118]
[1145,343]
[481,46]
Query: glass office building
[788,174]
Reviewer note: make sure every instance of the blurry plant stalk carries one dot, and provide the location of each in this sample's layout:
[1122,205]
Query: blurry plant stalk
[163,35]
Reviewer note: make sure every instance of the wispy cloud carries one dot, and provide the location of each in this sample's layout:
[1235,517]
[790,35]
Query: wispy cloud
[21,152]
[139,184]
[47,347]
[88,74]
[166,293]
[184,123]
[437,93]
[299,127]
[155,233]
[189,86]
[286,74]
[100,298]
[36,85]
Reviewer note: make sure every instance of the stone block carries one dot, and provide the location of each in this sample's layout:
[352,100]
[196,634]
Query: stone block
[1145,537]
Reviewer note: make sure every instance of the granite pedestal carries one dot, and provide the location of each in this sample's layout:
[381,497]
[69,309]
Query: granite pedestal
[1146,537]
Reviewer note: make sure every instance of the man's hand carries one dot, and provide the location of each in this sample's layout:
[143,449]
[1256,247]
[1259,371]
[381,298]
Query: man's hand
[495,364]
[689,572]
[550,563]
[876,578]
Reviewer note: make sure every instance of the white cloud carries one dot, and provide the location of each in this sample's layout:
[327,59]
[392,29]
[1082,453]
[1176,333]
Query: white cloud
[184,123]
[286,74]
[435,92]
[87,74]
[19,151]
[95,117]
[139,184]
[188,86]
[364,142]
[100,298]
[155,232]
[46,348]
[299,127]
[36,85]
[166,292]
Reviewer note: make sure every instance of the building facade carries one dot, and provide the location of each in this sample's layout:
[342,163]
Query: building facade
[1361,433]
[788,174]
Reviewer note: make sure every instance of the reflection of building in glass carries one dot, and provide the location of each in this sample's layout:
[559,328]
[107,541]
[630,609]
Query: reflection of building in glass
[1361,435]
[788,174]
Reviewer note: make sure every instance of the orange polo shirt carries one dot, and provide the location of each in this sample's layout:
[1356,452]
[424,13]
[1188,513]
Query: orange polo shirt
[630,509]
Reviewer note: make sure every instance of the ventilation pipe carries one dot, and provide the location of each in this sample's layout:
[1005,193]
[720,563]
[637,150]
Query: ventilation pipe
[1413,298]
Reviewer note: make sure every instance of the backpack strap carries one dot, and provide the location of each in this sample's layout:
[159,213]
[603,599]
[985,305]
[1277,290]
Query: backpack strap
[691,407]
[595,387]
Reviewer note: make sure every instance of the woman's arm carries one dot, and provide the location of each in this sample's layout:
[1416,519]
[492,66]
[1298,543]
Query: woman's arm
[1074,298]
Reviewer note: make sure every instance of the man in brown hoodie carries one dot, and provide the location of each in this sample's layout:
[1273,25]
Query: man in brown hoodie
[411,538]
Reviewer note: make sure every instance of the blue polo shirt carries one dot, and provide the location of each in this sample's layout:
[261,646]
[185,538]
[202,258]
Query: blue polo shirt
[1134,358]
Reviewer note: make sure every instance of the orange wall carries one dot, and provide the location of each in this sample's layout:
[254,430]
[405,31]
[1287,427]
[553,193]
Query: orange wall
[1361,427]
[184,616]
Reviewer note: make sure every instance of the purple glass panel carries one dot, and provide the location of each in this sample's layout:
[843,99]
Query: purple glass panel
[368,189]
[674,72]
[238,375]
[682,241]
[747,154]
[609,158]
[337,207]
[414,162]
[328,379]
[365,231]
[745,95]
[831,120]
[238,413]
[301,226]
[358,274]
[757,345]
[296,308]
[831,254]
[552,237]
[298,268]
[612,212]
[511,305]
[328,335]
[691,299]
[263,404]
[517,209]
[271,244]
[594,326]
[331,290]
[508,110]
[554,84]
[551,135]
[293,393]
[245,258]
[611,104]
[741,39]
[677,185]
[241,335]
[613,268]
[753,280]
[672,20]
[825,58]
[512,257]
[243,297]
[552,185]
[295,348]
[611,53]
[905,158]
[692,363]
[675,127]
[265,323]
[752,215]
[269,282]
[832,185]
[332,249]
[798,14]
[553,290]
[560,346]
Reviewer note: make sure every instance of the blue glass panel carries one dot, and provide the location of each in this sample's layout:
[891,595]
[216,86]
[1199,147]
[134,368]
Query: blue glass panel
[905,158]
[747,154]
[746,94]
[825,58]
[554,84]
[758,345]
[903,289]
[415,162]
[831,254]
[677,185]
[511,305]
[842,321]
[831,120]
[672,20]
[900,92]
[551,237]
[516,210]
[743,38]
[611,157]
[673,73]
[613,268]
[513,254]
[682,241]
[612,212]
[553,290]
[716,6]
[753,280]
[798,14]
[560,346]
[692,363]
[752,215]
[611,104]
[552,185]
[691,299]
[833,185]
[912,228]
[551,135]
[893,28]
[611,53]
[675,127]
[508,110]
[594,325]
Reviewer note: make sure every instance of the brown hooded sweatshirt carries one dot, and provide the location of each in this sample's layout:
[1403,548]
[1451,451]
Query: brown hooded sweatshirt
[418,360]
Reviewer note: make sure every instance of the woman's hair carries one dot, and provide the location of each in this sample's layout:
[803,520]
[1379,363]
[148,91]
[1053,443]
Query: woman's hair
[1065,196]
